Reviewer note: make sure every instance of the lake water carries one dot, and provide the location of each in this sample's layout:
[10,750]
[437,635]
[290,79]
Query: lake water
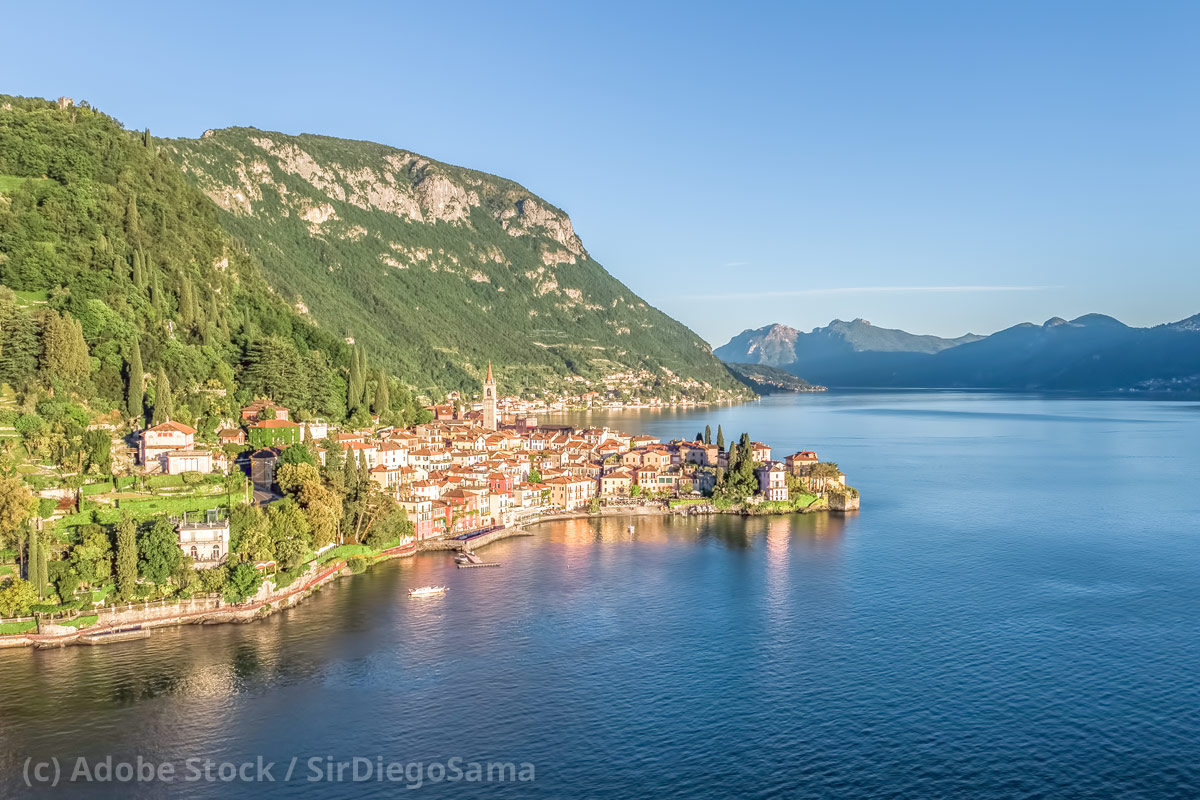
[1014,613]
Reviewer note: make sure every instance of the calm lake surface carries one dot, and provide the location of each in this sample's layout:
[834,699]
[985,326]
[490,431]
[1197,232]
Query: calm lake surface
[1014,613]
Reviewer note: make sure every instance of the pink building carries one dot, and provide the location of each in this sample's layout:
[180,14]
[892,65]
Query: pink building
[155,442]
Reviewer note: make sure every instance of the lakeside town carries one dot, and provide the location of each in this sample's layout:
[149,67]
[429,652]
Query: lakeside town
[269,508]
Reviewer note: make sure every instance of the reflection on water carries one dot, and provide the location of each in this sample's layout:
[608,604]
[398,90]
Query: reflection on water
[1011,614]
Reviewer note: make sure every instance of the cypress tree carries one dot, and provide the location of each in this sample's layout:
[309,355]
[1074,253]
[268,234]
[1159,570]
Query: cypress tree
[31,560]
[162,397]
[135,396]
[133,225]
[350,472]
[65,353]
[356,387]
[43,564]
[187,303]
[156,298]
[127,557]
[20,350]
[362,372]
[139,271]
[708,434]
[720,439]
[382,400]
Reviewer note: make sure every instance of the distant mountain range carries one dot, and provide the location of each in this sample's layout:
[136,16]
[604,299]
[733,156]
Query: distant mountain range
[1091,353]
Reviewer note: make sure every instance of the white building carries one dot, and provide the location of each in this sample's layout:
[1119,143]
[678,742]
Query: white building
[772,480]
[206,539]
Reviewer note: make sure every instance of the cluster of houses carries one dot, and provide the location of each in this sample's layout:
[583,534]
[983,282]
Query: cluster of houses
[611,391]
[467,469]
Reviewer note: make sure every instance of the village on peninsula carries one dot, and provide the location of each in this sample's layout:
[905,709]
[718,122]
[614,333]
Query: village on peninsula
[255,529]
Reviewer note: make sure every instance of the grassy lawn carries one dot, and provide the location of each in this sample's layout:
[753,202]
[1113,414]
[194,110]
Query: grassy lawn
[8,628]
[10,183]
[803,500]
[798,502]
[345,551]
[99,595]
[689,501]
[177,505]
[32,298]
[80,622]
[142,505]
[5,569]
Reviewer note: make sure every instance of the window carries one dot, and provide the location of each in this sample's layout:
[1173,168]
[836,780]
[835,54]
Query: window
[195,553]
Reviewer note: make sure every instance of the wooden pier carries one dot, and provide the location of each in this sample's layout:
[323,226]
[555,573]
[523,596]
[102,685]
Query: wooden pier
[475,561]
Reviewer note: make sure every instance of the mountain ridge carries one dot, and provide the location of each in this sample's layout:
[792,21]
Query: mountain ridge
[1093,352]
[776,345]
[438,268]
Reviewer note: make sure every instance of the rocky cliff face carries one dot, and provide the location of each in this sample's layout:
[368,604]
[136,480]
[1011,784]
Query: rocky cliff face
[436,268]
[401,184]
[774,346]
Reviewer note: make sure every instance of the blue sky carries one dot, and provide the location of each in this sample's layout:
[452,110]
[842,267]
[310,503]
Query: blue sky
[937,166]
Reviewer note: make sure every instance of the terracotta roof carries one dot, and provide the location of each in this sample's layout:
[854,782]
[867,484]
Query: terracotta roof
[171,425]
[275,423]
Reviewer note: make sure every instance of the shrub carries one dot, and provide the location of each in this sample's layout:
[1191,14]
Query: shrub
[244,581]
[213,580]
[67,583]
[357,564]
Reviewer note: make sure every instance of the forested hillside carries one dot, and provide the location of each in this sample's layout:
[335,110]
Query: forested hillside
[438,269]
[126,290]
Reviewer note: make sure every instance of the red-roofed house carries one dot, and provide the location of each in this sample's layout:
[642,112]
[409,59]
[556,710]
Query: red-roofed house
[231,436]
[163,438]
[800,463]
[253,412]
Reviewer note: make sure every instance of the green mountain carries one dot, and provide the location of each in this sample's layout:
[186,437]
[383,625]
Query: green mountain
[763,379]
[437,269]
[125,282]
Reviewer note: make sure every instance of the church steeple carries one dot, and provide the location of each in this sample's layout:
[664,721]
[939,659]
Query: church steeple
[489,401]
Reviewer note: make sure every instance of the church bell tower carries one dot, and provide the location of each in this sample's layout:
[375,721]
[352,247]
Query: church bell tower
[489,401]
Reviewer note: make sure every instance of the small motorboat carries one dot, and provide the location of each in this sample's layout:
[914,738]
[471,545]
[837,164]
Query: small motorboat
[428,591]
[461,559]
